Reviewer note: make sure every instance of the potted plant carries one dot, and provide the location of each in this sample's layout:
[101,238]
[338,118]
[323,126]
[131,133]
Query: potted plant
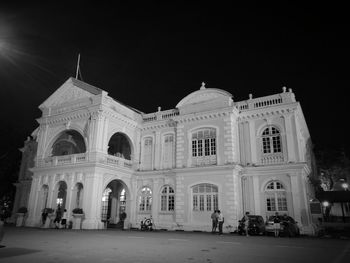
[21,213]
[77,211]
[78,214]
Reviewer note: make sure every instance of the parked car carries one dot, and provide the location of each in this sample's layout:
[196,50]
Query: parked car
[289,227]
[256,225]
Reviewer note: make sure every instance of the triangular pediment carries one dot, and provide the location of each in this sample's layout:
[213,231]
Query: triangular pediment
[70,91]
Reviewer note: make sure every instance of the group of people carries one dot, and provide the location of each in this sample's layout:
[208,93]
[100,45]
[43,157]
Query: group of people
[217,219]
[60,220]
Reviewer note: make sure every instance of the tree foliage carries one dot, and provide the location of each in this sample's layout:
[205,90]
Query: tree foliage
[332,166]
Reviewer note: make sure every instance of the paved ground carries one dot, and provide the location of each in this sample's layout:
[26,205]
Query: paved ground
[51,245]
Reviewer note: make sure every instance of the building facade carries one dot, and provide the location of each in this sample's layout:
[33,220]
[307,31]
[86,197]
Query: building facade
[178,165]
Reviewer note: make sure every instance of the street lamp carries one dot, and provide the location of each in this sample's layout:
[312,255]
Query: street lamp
[325,204]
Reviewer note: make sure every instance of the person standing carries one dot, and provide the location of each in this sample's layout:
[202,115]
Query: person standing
[122,219]
[64,219]
[277,224]
[214,220]
[57,220]
[246,223]
[220,221]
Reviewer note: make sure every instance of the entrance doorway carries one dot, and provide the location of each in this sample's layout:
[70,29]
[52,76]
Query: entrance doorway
[114,204]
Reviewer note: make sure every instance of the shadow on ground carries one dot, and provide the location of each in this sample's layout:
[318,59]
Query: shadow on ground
[15,251]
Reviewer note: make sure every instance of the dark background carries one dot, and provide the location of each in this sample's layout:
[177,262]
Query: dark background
[156,53]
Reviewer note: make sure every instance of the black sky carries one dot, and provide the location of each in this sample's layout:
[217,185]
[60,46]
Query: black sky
[156,54]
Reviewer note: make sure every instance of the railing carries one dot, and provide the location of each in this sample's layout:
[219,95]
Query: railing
[82,158]
[272,158]
[267,101]
[160,115]
[62,160]
[117,161]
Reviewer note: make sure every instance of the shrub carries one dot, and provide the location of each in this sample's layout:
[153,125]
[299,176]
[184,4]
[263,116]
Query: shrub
[78,211]
[22,209]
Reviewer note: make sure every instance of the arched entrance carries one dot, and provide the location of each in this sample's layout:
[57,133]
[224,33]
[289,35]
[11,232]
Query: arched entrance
[114,203]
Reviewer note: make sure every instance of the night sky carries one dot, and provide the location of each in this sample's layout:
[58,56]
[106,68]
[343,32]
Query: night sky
[154,55]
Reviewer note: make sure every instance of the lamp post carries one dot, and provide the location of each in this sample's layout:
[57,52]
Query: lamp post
[325,204]
[345,186]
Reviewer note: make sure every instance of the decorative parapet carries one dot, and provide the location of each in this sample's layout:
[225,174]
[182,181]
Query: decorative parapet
[267,101]
[81,158]
[160,115]
[273,158]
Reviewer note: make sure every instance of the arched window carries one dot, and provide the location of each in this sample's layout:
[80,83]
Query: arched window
[168,151]
[204,147]
[271,140]
[167,199]
[205,197]
[276,198]
[147,153]
[145,199]
[69,142]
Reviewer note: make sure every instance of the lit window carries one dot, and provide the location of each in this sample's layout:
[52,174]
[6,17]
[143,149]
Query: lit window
[205,197]
[145,199]
[167,199]
[204,147]
[275,196]
[271,140]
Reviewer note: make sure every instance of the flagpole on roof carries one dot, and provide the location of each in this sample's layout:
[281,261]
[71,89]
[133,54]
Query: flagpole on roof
[78,67]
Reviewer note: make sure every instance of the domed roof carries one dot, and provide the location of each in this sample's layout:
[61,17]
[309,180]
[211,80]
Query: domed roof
[205,95]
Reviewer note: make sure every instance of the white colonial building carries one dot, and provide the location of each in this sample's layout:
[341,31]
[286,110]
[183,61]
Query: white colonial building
[209,152]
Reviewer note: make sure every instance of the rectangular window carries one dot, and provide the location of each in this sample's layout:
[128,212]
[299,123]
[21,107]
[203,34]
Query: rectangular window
[163,203]
[200,148]
[206,147]
[215,202]
[266,145]
[171,202]
[213,146]
[195,202]
[276,144]
[208,202]
[282,203]
[270,203]
[201,202]
[194,148]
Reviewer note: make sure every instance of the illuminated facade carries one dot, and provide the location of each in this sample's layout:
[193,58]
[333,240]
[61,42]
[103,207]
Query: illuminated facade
[177,165]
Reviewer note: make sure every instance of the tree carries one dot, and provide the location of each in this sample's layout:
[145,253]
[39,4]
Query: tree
[332,165]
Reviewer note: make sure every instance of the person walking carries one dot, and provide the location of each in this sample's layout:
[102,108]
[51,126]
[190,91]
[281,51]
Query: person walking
[220,221]
[214,220]
[277,224]
[246,223]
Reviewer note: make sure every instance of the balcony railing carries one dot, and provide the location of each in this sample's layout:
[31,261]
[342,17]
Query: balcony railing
[80,158]
[273,158]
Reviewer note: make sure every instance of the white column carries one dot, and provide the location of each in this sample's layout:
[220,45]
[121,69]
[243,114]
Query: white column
[92,201]
[252,134]
[32,204]
[157,150]
[257,202]
[289,138]
[295,197]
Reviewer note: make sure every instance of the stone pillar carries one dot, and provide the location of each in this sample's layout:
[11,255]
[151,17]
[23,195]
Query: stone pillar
[92,201]
[157,150]
[252,134]
[155,198]
[289,138]
[257,208]
[295,197]
[32,219]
